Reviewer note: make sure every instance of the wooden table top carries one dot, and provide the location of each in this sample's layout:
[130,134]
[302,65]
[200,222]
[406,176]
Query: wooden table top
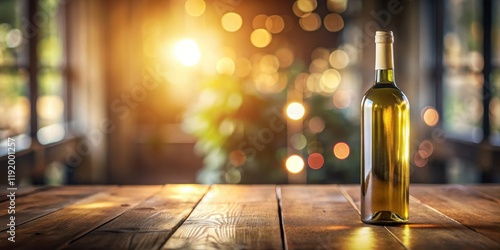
[245,217]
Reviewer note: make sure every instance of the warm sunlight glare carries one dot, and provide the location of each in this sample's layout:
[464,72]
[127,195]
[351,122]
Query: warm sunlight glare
[187,52]
[294,164]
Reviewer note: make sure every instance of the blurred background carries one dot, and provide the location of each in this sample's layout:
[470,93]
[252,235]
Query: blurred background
[241,91]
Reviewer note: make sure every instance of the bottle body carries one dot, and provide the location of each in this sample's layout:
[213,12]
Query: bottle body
[385,142]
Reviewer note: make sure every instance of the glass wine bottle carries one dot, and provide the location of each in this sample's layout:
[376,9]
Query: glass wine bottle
[385,142]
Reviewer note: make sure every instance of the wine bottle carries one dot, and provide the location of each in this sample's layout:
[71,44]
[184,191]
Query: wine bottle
[385,142]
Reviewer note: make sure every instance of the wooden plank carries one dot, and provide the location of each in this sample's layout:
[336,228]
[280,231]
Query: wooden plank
[71,222]
[38,204]
[320,217]
[430,229]
[471,208]
[492,190]
[232,217]
[21,191]
[149,224]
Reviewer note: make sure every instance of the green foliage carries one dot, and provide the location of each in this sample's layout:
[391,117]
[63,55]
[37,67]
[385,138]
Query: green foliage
[242,134]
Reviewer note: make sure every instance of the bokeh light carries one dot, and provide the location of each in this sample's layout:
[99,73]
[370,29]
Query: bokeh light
[231,21]
[300,83]
[310,22]
[233,176]
[269,64]
[425,149]
[321,53]
[259,21]
[275,24]
[298,12]
[225,66]
[419,160]
[338,59]
[298,141]
[295,110]
[333,22]
[243,67]
[316,124]
[342,99]
[318,65]
[330,80]
[237,158]
[187,52]
[268,83]
[294,164]
[476,61]
[430,116]
[312,82]
[227,127]
[315,161]
[50,107]
[260,38]
[285,57]
[307,5]
[14,38]
[195,7]
[234,101]
[337,6]
[341,150]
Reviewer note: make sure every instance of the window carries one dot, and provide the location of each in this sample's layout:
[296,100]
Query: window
[15,102]
[471,73]
[462,70]
[32,70]
[495,79]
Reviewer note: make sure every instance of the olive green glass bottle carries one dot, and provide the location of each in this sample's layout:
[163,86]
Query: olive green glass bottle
[385,142]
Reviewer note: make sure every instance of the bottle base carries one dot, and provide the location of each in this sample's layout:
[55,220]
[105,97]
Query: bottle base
[385,218]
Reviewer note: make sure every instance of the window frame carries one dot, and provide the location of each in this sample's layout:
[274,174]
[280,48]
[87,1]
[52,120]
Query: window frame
[484,154]
[31,162]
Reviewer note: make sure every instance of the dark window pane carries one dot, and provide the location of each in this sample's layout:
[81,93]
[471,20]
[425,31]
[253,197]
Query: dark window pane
[463,63]
[495,108]
[50,47]
[50,102]
[13,37]
[495,84]
[14,103]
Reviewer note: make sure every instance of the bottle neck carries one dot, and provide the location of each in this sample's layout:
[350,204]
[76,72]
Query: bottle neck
[384,76]
[384,63]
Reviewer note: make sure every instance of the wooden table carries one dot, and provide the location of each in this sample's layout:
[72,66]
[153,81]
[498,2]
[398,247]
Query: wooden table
[246,217]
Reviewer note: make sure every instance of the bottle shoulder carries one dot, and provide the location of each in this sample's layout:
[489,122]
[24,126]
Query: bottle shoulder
[388,94]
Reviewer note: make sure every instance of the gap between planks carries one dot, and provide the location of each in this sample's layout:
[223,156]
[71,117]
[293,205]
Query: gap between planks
[280,216]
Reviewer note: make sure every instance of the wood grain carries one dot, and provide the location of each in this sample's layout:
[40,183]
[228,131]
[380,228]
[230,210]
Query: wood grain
[492,190]
[471,208]
[430,229]
[21,191]
[71,222]
[231,217]
[41,203]
[320,217]
[147,225]
[248,217]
